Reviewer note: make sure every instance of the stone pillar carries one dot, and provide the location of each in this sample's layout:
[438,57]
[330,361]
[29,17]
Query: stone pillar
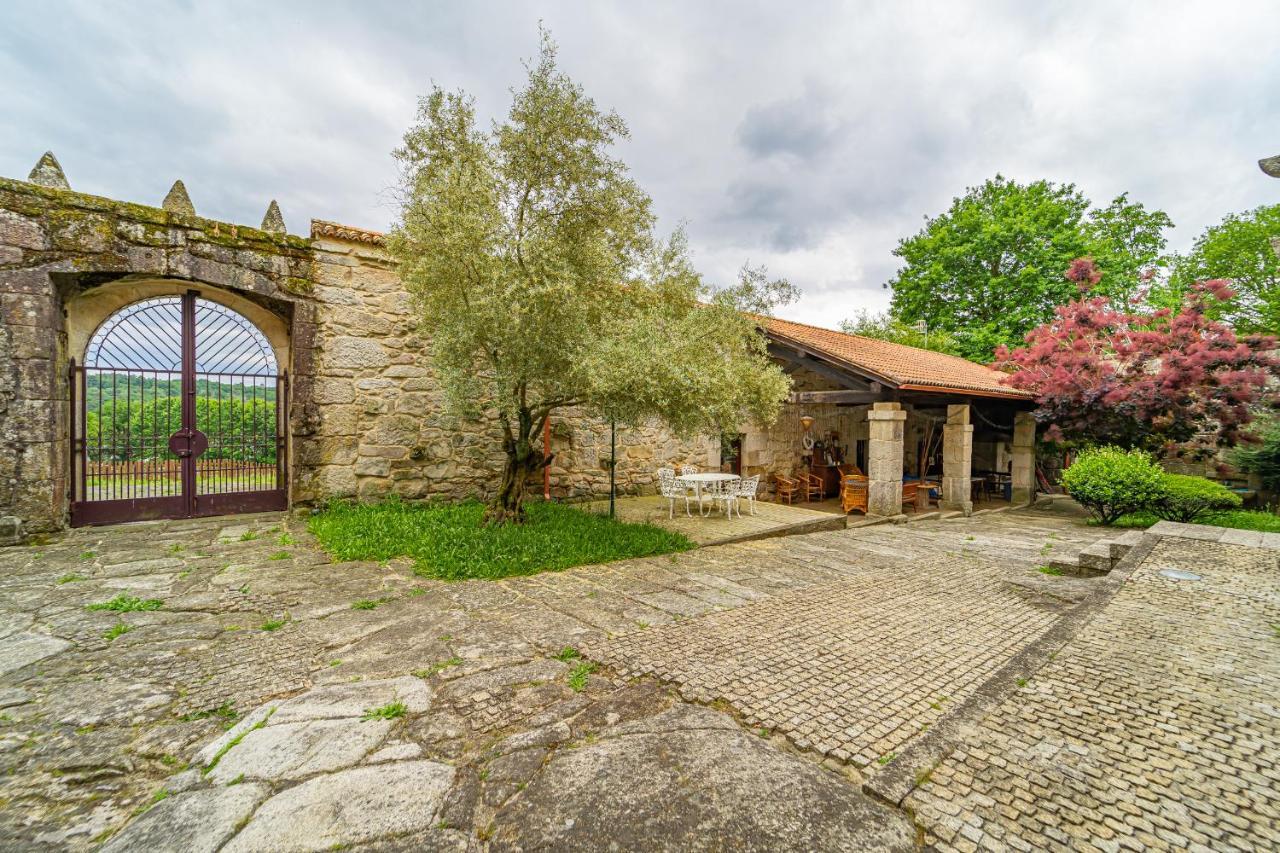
[1024,458]
[884,459]
[957,460]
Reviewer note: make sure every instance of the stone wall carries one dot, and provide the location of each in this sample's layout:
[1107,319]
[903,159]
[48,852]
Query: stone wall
[366,413]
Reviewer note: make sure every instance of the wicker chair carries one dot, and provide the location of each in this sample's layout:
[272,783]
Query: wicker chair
[853,493]
[810,485]
[786,488]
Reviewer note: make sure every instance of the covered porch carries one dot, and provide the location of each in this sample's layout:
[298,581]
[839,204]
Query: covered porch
[924,431]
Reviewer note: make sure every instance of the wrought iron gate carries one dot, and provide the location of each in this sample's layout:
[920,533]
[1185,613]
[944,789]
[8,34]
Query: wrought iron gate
[179,410]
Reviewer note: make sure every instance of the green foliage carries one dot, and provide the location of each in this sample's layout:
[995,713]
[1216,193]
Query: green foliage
[123,430]
[1239,519]
[447,540]
[116,630]
[275,624]
[125,603]
[438,666]
[991,267]
[71,577]
[1238,249]
[567,654]
[1189,499]
[884,327]
[367,603]
[579,675]
[1049,570]
[1110,482]
[531,256]
[390,711]
[1262,458]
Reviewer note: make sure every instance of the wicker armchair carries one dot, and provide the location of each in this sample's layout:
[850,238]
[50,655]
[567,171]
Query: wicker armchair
[853,493]
[810,485]
[786,488]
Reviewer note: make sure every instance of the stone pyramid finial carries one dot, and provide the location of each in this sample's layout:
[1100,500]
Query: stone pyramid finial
[177,201]
[1270,165]
[273,222]
[48,173]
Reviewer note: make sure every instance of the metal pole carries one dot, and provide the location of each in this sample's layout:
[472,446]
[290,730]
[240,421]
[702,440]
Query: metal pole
[613,462]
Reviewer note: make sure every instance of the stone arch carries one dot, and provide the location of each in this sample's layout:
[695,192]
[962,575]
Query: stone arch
[88,311]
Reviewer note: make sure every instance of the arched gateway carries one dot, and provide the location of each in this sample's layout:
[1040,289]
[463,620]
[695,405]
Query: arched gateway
[179,411]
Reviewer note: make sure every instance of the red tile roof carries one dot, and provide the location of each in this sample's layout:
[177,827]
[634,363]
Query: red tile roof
[896,365]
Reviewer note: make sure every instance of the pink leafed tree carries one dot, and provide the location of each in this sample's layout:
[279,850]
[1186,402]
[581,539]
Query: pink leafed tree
[1138,376]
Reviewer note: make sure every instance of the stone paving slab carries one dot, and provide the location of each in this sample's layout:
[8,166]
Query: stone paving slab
[254,615]
[1156,727]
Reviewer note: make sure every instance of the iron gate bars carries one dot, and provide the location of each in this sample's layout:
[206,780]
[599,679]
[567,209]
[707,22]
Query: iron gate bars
[178,411]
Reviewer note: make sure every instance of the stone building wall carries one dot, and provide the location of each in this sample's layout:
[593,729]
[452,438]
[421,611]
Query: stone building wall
[366,413]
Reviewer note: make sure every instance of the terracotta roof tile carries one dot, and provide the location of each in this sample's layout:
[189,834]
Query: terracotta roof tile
[896,364]
[338,231]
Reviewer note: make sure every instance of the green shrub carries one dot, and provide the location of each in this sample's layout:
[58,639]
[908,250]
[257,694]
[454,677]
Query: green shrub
[1190,499]
[1262,458]
[1110,482]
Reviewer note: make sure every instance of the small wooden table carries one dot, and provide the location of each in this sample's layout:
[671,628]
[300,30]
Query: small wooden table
[923,487]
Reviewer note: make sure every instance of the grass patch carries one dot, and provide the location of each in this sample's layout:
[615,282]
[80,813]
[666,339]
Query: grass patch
[438,666]
[275,624]
[390,711]
[286,539]
[1239,519]
[578,676]
[235,741]
[279,555]
[448,540]
[1049,570]
[125,603]
[367,603]
[70,577]
[116,630]
[225,712]
[248,536]
[567,654]
[88,555]
[886,758]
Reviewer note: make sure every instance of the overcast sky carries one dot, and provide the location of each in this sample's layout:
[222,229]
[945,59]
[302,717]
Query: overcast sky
[806,136]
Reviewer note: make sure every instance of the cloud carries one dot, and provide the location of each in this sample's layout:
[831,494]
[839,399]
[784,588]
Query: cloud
[810,138]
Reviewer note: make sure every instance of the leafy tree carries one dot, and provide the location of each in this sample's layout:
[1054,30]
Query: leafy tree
[989,268]
[1262,458]
[530,254]
[884,327]
[1139,377]
[1243,250]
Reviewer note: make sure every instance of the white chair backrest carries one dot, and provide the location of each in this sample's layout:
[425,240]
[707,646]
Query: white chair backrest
[688,469]
[748,486]
[667,482]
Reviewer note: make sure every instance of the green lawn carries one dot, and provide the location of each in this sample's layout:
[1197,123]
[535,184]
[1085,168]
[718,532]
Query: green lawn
[1241,519]
[448,541]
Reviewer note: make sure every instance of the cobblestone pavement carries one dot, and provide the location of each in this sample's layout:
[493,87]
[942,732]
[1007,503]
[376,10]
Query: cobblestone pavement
[916,620]
[107,716]
[1156,727]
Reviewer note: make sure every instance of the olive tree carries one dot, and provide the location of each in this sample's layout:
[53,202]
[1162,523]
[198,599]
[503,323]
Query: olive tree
[531,257]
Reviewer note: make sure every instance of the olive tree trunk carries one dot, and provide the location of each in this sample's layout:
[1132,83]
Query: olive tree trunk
[524,459]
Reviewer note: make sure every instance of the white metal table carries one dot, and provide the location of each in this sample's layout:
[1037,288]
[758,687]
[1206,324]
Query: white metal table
[697,481]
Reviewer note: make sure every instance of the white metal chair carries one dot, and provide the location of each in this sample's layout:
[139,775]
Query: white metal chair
[747,488]
[725,493]
[672,491]
[686,470]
